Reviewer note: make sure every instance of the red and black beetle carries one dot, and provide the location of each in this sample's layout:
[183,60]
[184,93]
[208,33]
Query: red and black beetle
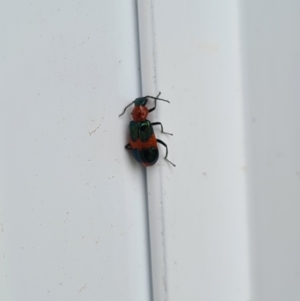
[143,142]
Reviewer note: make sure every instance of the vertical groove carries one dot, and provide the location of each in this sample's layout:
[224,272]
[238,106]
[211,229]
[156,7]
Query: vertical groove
[147,220]
[163,233]
[136,13]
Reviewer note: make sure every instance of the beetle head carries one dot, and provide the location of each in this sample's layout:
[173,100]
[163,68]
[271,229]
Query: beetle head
[141,101]
[140,106]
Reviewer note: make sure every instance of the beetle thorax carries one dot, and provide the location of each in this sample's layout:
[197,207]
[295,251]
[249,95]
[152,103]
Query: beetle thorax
[139,113]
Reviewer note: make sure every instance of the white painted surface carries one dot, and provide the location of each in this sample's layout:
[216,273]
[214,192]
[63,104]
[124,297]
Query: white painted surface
[224,223]
[72,200]
[155,181]
[271,72]
[230,218]
[204,198]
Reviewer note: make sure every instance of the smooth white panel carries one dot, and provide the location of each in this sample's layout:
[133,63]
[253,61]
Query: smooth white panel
[227,217]
[201,204]
[271,69]
[73,218]
[147,38]
[72,210]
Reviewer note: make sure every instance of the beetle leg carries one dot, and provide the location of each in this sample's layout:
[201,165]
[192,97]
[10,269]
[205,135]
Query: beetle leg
[161,126]
[128,146]
[165,145]
[155,99]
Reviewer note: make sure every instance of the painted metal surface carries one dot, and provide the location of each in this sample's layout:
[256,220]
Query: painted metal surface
[225,223]
[198,215]
[72,207]
[80,220]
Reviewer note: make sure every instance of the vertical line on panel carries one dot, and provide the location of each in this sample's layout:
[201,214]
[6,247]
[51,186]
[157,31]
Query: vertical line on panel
[245,227]
[148,239]
[153,47]
[252,268]
[159,293]
[154,189]
[138,43]
[161,208]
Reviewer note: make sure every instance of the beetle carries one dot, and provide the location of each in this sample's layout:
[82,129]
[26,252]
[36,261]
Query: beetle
[143,142]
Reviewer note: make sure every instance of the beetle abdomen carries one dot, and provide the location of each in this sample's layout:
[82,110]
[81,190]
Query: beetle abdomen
[143,142]
[149,156]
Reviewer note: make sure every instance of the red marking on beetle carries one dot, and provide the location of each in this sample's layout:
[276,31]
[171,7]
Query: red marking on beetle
[139,113]
[138,144]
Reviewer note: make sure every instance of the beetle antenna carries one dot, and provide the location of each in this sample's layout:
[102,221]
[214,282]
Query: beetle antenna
[158,98]
[126,108]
